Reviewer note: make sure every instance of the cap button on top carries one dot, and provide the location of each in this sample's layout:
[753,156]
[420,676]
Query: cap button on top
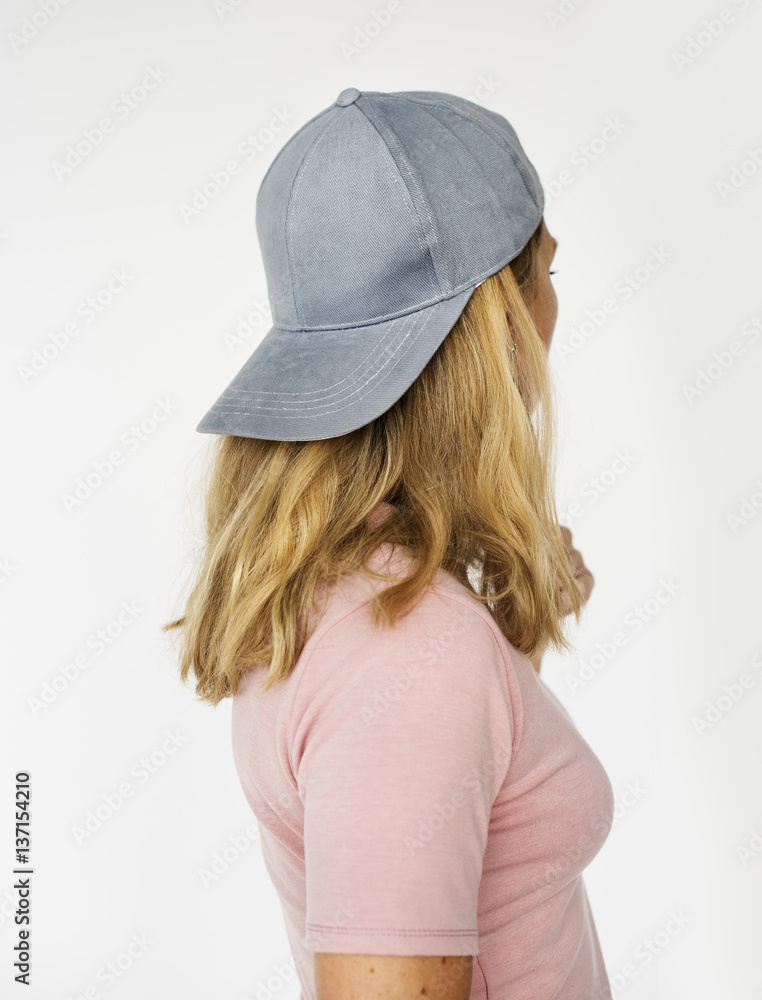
[348,96]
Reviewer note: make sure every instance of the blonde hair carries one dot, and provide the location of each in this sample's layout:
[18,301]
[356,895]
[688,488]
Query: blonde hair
[466,455]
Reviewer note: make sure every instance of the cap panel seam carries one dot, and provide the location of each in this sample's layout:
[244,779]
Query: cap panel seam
[484,127]
[392,171]
[395,343]
[474,159]
[292,193]
[470,283]
[291,139]
[397,173]
[389,316]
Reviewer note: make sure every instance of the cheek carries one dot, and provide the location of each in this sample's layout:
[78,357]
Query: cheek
[553,306]
[547,311]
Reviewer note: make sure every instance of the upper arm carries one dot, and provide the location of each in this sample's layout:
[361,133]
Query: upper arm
[392,977]
[401,746]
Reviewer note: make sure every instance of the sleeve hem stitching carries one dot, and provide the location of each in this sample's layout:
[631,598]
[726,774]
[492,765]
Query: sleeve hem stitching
[390,930]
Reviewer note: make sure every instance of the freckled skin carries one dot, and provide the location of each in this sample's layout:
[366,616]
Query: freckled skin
[347,977]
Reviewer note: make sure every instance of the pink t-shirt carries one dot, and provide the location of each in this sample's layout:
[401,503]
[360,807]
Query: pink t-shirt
[421,791]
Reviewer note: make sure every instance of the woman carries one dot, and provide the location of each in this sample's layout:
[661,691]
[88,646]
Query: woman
[384,569]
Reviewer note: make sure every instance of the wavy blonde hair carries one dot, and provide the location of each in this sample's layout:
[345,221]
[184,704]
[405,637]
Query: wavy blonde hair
[466,455]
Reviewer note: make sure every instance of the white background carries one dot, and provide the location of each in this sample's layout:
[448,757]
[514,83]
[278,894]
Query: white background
[688,114]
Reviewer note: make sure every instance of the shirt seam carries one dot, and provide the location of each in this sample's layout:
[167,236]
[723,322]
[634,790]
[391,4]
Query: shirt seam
[516,706]
[391,930]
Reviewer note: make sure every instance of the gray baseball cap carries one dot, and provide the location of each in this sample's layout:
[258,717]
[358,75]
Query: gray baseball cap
[376,221]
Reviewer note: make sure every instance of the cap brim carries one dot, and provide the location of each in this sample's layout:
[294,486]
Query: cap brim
[308,385]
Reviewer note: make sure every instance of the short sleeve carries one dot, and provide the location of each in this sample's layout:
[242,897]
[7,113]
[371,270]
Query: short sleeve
[401,741]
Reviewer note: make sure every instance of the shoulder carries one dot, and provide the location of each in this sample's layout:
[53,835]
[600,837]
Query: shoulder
[448,642]
[445,614]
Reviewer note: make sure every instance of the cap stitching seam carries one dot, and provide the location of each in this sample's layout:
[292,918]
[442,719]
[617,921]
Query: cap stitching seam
[318,405]
[392,170]
[321,394]
[379,320]
[288,143]
[471,283]
[397,174]
[488,129]
[355,386]
[292,194]
[415,183]
[474,159]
